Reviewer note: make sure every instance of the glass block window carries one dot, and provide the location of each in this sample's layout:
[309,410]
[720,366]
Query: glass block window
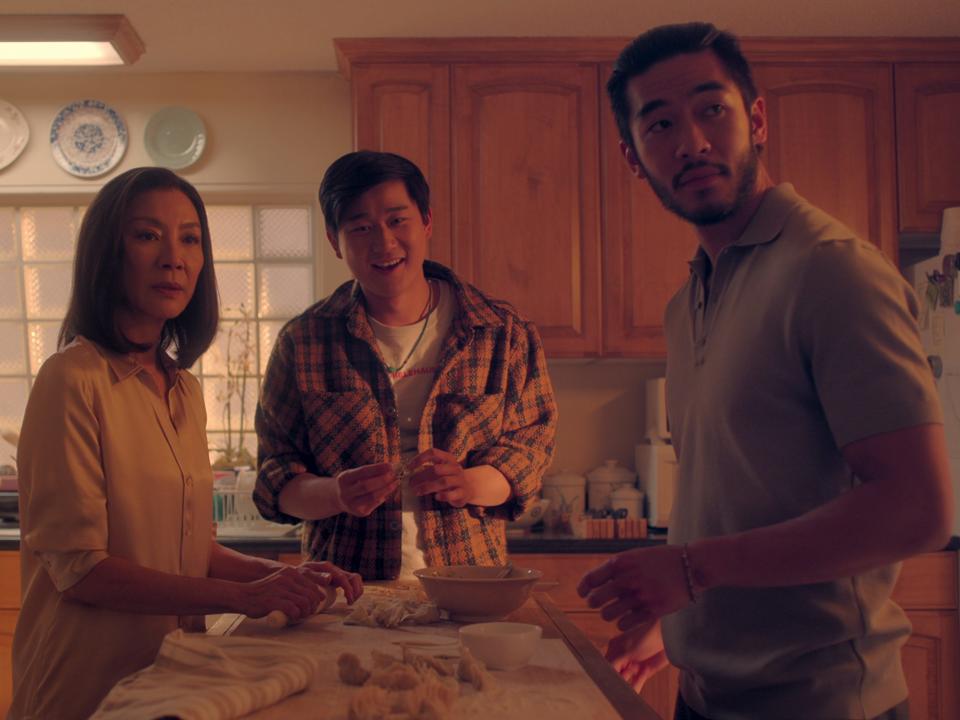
[265,271]
[264,260]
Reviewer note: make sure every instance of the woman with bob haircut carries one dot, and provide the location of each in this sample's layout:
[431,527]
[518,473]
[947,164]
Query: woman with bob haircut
[117,544]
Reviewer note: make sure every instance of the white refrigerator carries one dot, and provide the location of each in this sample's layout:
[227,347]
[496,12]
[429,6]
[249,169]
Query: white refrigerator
[937,285]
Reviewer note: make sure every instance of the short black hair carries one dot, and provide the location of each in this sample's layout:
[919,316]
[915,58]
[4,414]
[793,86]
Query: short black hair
[351,175]
[667,41]
[98,272]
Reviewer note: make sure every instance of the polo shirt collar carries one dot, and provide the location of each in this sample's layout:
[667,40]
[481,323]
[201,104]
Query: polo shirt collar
[765,226]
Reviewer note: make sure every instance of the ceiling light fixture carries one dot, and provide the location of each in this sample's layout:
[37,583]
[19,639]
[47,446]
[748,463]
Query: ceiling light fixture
[58,40]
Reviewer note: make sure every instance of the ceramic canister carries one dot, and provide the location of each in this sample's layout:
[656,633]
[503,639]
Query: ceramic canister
[604,480]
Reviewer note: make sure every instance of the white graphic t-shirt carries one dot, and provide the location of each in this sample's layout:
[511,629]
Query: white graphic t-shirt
[411,386]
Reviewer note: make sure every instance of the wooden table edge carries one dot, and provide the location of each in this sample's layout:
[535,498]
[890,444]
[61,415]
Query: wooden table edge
[618,693]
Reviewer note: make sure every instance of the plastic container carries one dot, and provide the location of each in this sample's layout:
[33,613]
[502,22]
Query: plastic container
[603,480]
[628,498]
[566,491]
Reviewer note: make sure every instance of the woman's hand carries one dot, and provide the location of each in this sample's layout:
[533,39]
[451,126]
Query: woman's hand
[439,473]
[362,490]
[295,591]
[329,575]
[638,587]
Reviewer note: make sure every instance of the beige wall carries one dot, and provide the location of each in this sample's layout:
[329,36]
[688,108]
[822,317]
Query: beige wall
[267,132]
[277,132]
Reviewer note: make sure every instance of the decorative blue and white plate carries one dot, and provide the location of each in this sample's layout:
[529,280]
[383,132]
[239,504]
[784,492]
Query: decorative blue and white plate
[14,133]
[88,138]
[175,137]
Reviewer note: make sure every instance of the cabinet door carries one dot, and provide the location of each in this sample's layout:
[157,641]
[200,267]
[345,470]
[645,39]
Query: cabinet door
[526,187]
[928,105]
[931,662]
[645,253]
[831,135]
[8,621]
[406,109]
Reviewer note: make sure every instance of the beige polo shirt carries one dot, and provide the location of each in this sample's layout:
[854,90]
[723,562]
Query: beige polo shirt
[806,342]
[106,468]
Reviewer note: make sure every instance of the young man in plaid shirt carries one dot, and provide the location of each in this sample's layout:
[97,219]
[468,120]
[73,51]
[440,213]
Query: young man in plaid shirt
[407,415]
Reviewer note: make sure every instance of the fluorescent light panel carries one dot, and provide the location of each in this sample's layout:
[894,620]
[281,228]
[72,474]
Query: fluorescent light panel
[58,40]
[34,54]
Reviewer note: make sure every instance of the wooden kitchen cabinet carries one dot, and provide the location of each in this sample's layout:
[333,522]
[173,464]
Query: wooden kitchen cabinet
[521,220]
[928,105]
[645,252]
[405,108]
[526,195]
[519,144]
[9,610]
[927,590]
[831,134]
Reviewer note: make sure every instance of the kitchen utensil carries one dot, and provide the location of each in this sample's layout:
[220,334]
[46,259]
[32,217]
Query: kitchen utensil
[501,645]
[474,593]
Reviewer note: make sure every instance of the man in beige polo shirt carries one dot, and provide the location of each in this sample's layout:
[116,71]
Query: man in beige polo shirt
[805,420]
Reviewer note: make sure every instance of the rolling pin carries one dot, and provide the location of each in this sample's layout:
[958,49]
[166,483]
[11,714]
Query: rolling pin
[279,619]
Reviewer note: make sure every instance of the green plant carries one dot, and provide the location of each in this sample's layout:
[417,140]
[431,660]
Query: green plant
[240,359]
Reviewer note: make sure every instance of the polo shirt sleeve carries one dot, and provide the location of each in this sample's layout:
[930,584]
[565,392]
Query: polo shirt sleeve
[525,447]
[65,513]
[857,326]
[281,432]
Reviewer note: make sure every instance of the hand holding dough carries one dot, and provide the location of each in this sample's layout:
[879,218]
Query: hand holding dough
[279,619]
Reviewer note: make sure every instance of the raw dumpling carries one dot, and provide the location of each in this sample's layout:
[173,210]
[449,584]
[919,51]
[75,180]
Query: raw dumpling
[351,671]
[473,671]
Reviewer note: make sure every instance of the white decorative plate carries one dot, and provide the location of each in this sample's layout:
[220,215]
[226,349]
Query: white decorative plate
[88,138]
[14,133]
[175,137]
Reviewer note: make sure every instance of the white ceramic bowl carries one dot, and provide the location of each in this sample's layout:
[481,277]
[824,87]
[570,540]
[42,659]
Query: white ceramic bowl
[474,593]
[501,645]
[531,517]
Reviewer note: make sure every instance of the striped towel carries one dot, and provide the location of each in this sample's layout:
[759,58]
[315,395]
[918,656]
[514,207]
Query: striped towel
[202,677]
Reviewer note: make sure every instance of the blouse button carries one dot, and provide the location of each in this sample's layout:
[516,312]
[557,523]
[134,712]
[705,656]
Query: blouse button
[189,481]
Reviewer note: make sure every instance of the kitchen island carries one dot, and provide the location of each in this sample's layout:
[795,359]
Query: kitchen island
[928,590]
[567,678]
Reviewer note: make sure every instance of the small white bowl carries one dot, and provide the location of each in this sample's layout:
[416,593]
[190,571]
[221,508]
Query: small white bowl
[501,645]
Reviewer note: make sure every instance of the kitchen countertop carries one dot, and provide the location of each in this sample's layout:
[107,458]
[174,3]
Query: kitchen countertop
[534,543]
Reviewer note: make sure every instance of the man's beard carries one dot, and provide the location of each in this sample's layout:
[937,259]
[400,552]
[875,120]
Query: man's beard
[712,213]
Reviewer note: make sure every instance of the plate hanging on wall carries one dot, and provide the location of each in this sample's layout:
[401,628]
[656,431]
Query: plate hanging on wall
[175,137]
[88,138]
[14,133]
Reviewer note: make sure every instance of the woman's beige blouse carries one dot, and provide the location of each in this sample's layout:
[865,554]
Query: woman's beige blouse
[106,468]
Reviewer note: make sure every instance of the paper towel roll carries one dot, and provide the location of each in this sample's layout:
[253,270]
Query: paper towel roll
[950,231]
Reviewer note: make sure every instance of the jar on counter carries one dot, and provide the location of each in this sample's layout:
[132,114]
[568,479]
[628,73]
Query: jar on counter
[602,481]
[565,490]
[628,498]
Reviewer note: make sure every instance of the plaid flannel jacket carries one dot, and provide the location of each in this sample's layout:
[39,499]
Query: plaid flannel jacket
[326,405]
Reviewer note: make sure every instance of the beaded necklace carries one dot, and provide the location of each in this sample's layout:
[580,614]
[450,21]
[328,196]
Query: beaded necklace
[423,328]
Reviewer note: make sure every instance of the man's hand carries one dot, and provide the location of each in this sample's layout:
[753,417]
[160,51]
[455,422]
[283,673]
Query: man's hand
[439,473]
[638,654]
[638,587]
[362,490]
